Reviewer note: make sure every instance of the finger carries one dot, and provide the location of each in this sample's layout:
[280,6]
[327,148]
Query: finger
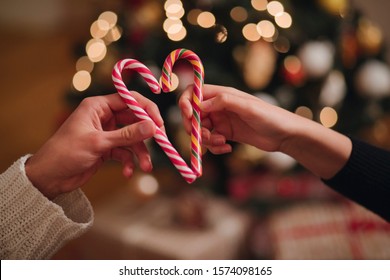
[185,102]
[150,107]
[125,157]
[129,135]
[219,150]
[141,152]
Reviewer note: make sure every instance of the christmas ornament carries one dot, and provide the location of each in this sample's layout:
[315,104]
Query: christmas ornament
[333,90]
[259,64]
[161,138]
[317,58]
[373,79]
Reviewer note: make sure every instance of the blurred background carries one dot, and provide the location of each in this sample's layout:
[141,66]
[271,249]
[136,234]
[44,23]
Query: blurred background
[325,60]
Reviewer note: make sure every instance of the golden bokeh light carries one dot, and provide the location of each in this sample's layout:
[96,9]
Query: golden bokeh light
[192,16]
[110,17]
[266,29]
[96,50]
[114,34]
[83,63]
[274,8]
[81,80]
[206,19]
[292,64]
[305,112]
[283,20]
[99,28]
[180,35]
[260,5]
[239,14]
[249,31]
[282,44]
[328,117]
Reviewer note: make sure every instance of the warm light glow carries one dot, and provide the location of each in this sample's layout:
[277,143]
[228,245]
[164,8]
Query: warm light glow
[275,8]
[170,3]
[148,185]
[175,28]
[260,5]
[83,63]
[206,19]
[305,112]
[81,80]
[99,28]
[177,15]
[114,34]
[239,14]
[266,29]
[170,23]
[282,45]
[96,50]
[250,32]
[221,34]
[292,64]
[328,117]
[110,17]
[173,8]
[180,35]
[192,16]
[283,20]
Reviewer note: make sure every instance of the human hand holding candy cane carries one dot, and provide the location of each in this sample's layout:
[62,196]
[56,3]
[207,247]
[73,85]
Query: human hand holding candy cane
[189,174]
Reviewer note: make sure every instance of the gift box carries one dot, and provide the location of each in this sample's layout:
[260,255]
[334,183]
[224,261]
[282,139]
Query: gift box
[125,229]
[328,231]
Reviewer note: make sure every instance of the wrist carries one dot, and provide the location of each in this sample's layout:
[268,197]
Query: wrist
[38,179]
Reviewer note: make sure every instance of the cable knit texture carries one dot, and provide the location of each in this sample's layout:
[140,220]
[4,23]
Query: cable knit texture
[366,178]
[33,227]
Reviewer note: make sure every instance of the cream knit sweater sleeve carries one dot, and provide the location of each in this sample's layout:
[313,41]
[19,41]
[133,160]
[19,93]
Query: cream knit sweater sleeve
[33,227]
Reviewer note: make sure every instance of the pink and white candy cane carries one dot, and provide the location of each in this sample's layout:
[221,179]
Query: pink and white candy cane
[161,138]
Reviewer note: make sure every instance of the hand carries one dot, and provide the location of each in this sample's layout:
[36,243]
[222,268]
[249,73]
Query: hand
[230,114]
[90,136]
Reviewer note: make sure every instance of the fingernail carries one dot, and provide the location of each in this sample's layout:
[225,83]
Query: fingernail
[146,129]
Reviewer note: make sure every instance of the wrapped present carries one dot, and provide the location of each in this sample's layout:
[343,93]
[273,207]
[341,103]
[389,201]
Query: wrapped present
[328,231]
[270,187]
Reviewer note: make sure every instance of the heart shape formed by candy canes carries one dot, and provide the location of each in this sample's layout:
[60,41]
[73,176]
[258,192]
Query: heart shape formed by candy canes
[189,174]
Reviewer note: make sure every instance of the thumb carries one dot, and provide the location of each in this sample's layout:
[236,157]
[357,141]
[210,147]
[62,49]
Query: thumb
[131,134]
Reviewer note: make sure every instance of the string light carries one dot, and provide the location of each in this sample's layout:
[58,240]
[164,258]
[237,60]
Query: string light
[328,117]
[81,80]
[260,5]
[249,31]
[239,14]
[283,20]
[305,112]
[274,8]
[206,19]
[266,28]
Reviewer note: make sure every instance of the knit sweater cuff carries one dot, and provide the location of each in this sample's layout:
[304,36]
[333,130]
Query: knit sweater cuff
[365,178]
[33,227]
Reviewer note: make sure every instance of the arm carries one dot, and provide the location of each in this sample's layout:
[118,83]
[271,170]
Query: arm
[358,171]
[232,115]
[42,206]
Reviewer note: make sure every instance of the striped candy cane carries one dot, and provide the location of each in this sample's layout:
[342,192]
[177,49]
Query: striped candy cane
[197,97]
[160,136]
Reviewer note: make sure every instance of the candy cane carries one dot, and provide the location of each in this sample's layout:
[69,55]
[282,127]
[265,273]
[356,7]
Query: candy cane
[197,97]
[160,136]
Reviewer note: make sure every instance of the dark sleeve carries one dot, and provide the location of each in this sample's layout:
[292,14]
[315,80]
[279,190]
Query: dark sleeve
[366,178]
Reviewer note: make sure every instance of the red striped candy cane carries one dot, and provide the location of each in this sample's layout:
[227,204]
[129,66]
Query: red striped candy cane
[160,136]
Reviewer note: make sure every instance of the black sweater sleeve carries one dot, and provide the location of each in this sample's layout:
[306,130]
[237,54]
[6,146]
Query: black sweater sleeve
[366,178]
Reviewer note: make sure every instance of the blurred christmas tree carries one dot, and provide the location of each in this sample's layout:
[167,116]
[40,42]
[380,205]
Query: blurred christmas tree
[321,59]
